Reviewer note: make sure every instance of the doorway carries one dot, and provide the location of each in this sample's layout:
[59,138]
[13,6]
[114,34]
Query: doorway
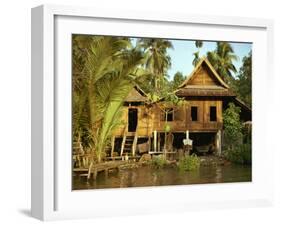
[132,119]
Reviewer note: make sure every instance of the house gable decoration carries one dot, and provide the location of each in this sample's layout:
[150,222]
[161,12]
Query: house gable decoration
[136,95]
[204,74]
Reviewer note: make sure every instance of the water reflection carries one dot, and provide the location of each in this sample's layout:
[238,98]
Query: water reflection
[148,176]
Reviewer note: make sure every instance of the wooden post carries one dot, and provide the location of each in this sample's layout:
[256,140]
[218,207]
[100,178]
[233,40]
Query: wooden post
[90,171]
[149,143]
[123,145]
[112,145]
[188,145]
[124,139]
[218,142]
[187,135]
[155,141]
[158,142]
[135,144]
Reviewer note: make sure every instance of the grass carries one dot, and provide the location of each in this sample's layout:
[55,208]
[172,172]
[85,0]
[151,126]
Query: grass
[189,163]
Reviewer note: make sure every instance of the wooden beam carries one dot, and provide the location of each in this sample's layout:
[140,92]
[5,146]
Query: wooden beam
[218,142]
[155,141]
[135,144]
[123,145]
[158,142]
[90,171]
[149,144]
[124,139]
[112,145]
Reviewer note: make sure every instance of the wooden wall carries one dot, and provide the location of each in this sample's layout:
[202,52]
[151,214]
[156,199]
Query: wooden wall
[150,119]
[203,123]
[145,119]
[203,77]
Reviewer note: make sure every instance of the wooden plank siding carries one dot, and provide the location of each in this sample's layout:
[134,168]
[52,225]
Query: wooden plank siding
[203,123]
[145,119]
[150,119]
[204,88]
[203,76]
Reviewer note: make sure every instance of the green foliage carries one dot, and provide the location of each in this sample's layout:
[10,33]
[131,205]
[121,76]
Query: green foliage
[222,60]
[196,59]
[247,132]
[157,60]
[235,150]
[167,128]
[189,163]
[177,81]
[196,54]
[241,154]
[232,126]
[159,161]
[105,77]
[198,44]
[244,82]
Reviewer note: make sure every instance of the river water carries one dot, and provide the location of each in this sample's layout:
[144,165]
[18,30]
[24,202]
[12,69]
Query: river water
[149,176]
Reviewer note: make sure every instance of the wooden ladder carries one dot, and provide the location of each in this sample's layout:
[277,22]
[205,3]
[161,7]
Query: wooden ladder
[129,143]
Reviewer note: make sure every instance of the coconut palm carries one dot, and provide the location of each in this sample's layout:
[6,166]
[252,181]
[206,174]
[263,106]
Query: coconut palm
[198,44]
[93,57]
[196,59]
[157,59]
[222,60]
[111,90]
[110,70]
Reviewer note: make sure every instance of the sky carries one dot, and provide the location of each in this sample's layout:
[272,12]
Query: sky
[182,54]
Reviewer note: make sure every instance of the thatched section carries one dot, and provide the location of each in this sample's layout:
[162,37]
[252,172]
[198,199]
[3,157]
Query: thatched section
[136,95]
[199,90]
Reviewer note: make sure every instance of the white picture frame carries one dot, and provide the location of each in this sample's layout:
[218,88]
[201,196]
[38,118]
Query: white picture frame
[51,81]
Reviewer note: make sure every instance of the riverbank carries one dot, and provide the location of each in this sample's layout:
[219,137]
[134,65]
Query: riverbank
[139,174]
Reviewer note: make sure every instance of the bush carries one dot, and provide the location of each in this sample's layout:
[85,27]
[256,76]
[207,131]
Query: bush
[241,155]
[189,163]
[159,161]
[232,126]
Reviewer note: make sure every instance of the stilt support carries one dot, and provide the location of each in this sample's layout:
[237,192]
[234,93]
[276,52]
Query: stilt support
[218,142]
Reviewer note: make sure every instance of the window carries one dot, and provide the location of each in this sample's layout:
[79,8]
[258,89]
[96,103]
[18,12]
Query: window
[213,113]
[169,113]
[194,113]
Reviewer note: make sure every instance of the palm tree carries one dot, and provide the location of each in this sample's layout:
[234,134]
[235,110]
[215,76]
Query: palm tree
[92,58]
[222,60]
[196,59]
[110,93]
[157,59]
[198,44]
[108,75]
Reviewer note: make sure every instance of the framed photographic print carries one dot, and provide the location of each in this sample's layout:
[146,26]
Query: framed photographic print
[137,113]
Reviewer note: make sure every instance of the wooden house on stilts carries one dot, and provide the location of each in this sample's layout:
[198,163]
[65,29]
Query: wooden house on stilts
[205,96]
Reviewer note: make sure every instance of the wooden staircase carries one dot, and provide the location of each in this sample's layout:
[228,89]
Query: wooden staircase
[129,143]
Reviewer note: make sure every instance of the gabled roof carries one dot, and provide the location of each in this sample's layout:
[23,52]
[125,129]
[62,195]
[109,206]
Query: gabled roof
[195,91]
[204,60]
[136,95]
